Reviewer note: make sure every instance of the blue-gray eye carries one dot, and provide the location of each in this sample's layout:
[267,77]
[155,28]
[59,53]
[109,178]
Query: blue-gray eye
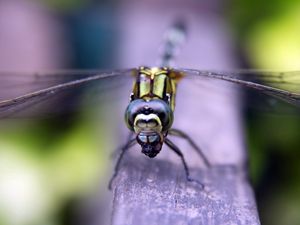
[163,111]
[132,111]
[142,138]
[153,138]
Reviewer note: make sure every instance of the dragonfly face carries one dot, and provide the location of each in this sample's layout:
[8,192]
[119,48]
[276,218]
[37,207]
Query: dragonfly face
[150,112]
[150,120]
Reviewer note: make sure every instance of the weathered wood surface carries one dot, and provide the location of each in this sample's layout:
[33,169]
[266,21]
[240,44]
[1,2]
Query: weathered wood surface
[155,191]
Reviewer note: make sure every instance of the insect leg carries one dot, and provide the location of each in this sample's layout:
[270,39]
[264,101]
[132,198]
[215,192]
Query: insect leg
[123,149]
[183,135]
[174,148]
[115,153]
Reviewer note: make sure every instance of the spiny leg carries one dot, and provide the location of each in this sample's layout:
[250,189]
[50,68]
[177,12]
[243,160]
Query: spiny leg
[173,147]
[183,135]
[129,143]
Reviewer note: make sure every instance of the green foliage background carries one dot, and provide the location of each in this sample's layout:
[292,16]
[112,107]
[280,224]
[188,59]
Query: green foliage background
[269,35]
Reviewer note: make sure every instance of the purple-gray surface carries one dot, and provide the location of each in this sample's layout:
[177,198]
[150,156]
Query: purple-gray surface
[154,191]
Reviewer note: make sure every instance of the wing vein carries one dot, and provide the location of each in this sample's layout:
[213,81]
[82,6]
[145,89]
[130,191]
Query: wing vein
[291,97]
[10,104]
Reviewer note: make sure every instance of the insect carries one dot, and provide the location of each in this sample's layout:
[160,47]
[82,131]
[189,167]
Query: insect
[149,114]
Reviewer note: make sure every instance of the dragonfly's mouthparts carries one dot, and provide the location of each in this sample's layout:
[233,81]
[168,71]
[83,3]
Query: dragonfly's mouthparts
[150,150]
[151,143]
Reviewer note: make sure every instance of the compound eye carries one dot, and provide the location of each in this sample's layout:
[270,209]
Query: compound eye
[157,107]
[132,110]
[164,112]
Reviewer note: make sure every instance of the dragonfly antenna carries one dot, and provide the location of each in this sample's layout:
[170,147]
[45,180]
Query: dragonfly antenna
[173,38]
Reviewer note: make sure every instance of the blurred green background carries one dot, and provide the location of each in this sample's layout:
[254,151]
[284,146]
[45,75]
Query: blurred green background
[48,166]
[268,34]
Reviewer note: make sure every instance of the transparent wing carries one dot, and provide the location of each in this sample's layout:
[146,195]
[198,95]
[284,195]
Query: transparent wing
[40,87]
[282,85]
[15,83]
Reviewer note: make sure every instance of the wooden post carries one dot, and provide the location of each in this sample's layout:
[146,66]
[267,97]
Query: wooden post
[155,191]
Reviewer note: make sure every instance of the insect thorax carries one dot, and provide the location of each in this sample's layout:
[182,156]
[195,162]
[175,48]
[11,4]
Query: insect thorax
[156,83]
[152,100]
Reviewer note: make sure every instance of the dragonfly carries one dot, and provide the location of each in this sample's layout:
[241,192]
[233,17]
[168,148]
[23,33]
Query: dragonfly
[150,112]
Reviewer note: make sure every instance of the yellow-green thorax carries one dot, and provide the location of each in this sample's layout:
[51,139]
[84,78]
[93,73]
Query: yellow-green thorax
[156,83]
